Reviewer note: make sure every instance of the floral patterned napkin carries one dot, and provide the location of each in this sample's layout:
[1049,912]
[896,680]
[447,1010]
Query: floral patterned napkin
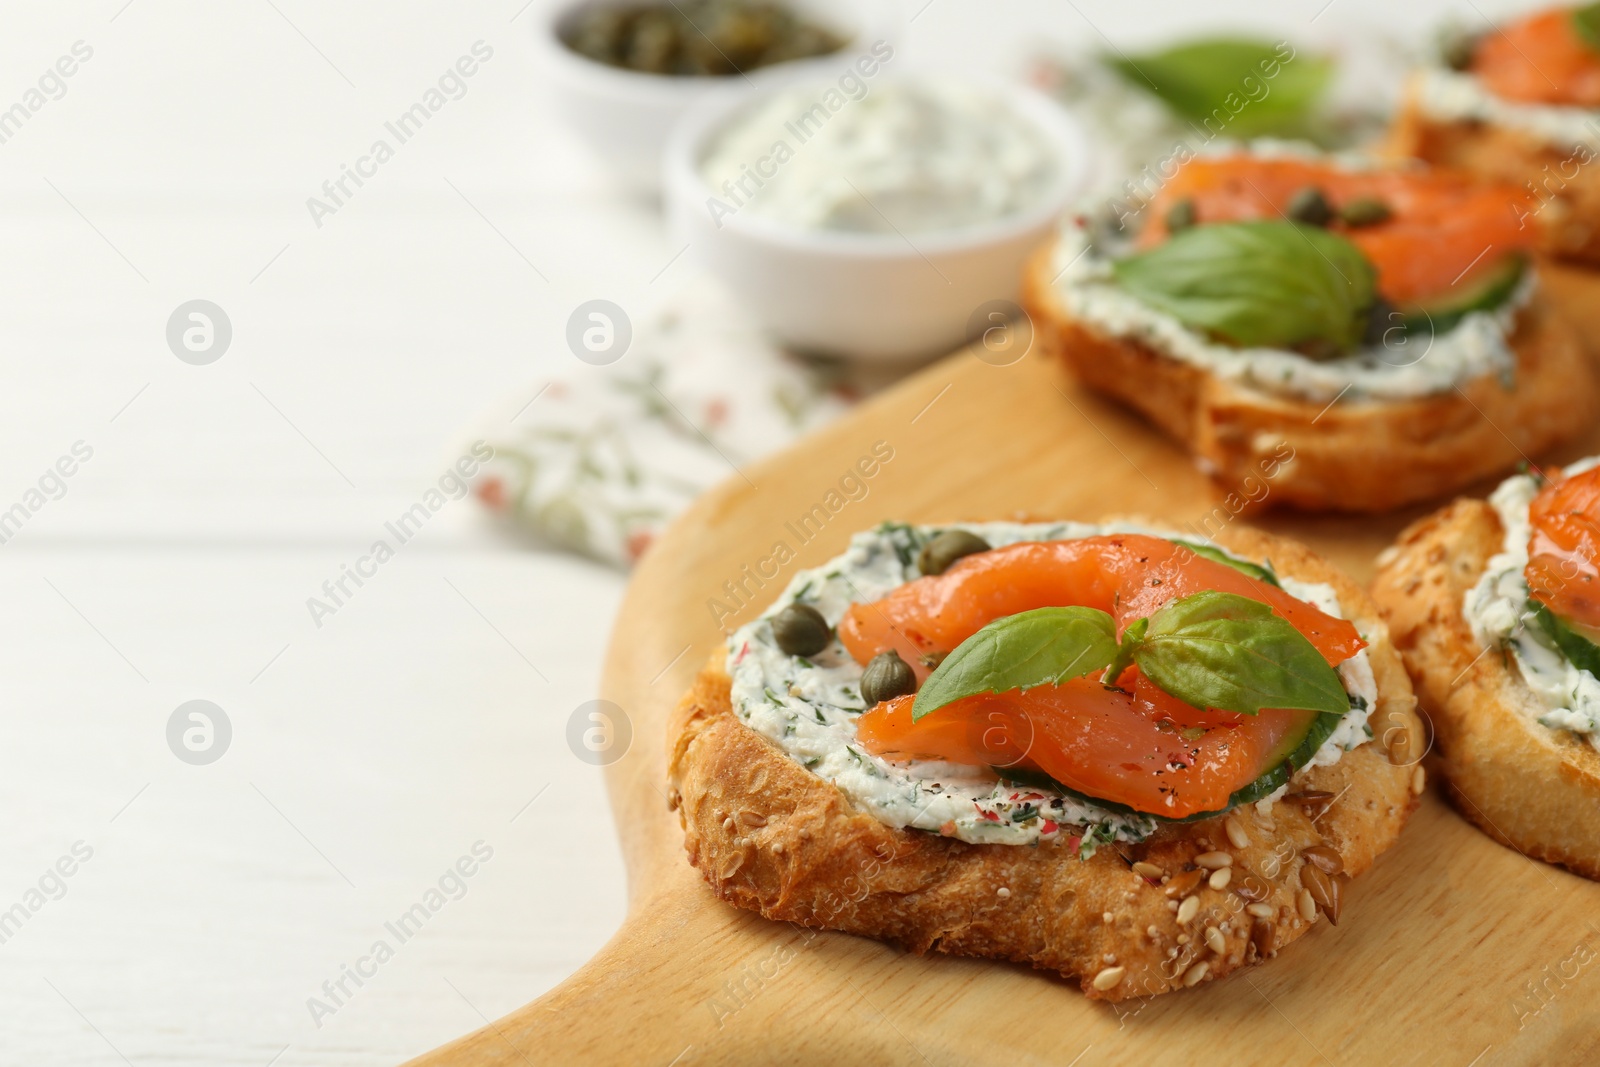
[598,459]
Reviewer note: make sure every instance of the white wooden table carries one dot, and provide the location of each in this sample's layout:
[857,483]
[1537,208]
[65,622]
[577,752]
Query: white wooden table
[371,753]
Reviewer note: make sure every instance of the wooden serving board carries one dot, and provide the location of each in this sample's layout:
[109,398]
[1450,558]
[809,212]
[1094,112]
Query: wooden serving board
[1453,950]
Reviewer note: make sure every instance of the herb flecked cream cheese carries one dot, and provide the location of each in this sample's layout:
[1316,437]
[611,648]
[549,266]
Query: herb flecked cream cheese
[1497,610]
[909,156]
[808,706]
[1445,95]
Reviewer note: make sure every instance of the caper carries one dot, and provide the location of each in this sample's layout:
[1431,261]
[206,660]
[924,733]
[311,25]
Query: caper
[887,676]
[1365,211]
[1181,216]
[938,554]
[1458,51]
[800,630]
[1385,326]
[1310,206]
[696,37]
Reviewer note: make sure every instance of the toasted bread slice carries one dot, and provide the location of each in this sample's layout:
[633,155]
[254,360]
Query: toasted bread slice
[1524,784]
[770,836]
[1345,456]
[1567,213]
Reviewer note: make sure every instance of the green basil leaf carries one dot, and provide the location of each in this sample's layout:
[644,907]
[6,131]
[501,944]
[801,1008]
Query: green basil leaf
[1233,86]
[1586,20]
[1225,651]
[1262,283]
[1251,570]
[1131,637]
[1046,646]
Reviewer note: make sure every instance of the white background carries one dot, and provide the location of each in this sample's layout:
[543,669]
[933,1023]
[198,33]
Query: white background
[370,754]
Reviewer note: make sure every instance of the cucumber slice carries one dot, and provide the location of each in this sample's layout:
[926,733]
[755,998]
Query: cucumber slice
[1320,730]
[1576,646]
[1488,291]
[1243,566]
[1299,753]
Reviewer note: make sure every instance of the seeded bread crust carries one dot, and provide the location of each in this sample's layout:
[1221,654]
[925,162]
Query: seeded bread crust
[1534,789]
[1568,215]
[1354,457]
[772,837]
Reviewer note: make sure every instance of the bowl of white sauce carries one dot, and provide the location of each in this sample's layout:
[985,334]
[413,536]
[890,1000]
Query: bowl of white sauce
[874,215]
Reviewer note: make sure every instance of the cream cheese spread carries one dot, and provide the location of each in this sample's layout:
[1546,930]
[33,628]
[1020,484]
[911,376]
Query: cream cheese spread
[908,156]
[1497,610]
[1445,95]
[808,706]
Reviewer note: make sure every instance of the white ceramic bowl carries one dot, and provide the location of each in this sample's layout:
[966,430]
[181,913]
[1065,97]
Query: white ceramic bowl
[867,296]
[625,116]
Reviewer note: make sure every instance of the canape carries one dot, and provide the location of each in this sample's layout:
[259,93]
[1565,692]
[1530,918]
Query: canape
[1141,762]
[1519,103]
[1495,607]
[1319,333]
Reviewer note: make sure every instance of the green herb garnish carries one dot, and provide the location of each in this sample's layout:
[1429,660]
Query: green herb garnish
[1267,284]
[1132,637]
[1586,20]
[1210,650]
[1225,651]
[1047,646]
[1237,85]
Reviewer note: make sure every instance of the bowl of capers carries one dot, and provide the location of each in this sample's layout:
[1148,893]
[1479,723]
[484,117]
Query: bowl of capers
[621,72]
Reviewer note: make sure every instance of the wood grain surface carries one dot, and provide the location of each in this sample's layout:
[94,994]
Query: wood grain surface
[1453,950]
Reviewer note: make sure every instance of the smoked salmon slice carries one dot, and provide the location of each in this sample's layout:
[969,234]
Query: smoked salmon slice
[1110,744]
[1539,59]
[1128,576]
[1563,569]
